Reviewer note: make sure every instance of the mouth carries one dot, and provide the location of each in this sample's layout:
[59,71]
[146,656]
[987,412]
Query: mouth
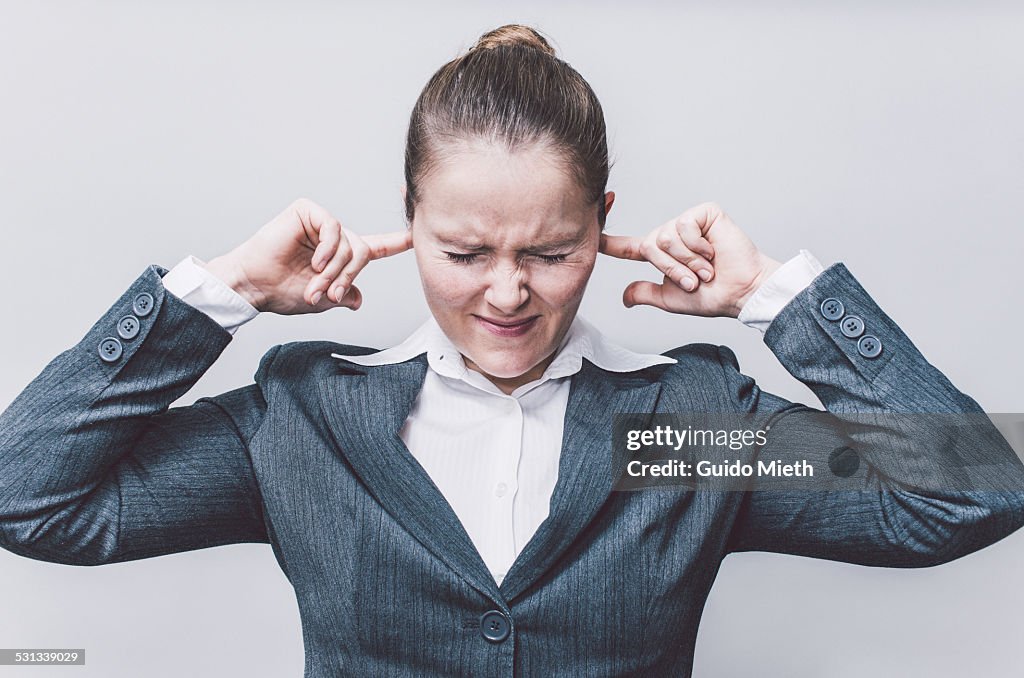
[507,328]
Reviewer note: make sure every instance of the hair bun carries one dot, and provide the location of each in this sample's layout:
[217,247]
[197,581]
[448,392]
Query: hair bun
[513,35]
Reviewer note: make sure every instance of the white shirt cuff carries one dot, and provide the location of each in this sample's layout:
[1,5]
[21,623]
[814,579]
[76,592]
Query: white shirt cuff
[779,289]
[193,284]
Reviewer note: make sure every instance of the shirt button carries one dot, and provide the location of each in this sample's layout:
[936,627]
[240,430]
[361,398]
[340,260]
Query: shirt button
[494,626]
[500,490]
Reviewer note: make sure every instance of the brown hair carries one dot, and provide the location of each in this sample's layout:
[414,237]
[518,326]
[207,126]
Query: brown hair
[509,88]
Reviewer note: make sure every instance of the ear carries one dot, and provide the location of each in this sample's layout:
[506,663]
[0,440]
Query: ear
[609,198]
[403,191]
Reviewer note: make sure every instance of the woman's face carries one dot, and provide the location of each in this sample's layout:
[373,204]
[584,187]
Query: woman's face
[505,245]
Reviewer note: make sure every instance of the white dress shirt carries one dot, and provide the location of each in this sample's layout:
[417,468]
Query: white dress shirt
[496,460]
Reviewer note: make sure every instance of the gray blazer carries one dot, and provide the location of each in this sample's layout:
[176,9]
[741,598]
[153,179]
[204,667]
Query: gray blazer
[94,469]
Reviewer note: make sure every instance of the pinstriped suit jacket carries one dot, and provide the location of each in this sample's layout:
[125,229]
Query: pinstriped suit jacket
[94,468]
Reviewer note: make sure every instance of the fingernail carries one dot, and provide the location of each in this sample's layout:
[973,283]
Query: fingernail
[316,296]
[339,292]
[704,274]
[688,284]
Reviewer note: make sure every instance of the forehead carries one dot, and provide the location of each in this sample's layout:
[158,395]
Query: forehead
[481,192]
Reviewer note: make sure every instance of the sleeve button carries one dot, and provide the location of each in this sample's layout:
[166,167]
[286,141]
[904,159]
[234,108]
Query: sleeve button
[852,326]
[110,350]
[832,309]
[143,305]
[869,346]
[128,327]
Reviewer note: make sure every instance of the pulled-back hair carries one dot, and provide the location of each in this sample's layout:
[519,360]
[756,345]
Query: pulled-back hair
[509,89]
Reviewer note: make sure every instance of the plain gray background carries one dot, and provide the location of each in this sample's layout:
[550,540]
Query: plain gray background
[885,137]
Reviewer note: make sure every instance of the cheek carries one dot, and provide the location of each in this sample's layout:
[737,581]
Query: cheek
[560,285]
[448,286]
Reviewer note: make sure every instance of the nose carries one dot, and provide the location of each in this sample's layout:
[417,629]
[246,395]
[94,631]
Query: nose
[507,290]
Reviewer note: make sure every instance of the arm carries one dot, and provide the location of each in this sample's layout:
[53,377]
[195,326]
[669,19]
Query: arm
[919,475]
[934,479]
[94,467]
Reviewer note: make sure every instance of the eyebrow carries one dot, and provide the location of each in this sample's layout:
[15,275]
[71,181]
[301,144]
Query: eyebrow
[545,247]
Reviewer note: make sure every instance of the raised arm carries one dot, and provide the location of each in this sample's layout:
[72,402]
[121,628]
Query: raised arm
[908,470]
[94,467]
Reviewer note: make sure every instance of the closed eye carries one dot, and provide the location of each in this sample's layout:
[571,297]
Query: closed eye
[460,258]
[553,258]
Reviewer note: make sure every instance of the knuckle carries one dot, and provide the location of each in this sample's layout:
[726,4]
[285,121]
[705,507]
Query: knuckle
[344,248]
[675,272]
[359,248]
[664,239]
[687,227]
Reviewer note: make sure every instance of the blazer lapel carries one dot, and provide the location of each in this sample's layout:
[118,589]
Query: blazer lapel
[586,468]
[365,411]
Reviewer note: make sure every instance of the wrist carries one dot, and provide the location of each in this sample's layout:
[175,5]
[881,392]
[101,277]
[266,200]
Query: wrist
[225,268]
[768,266]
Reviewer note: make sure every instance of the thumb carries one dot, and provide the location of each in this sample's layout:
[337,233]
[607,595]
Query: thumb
[644,292]
[353,299]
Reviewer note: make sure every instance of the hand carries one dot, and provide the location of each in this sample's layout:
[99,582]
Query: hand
[710,267]
[303,261]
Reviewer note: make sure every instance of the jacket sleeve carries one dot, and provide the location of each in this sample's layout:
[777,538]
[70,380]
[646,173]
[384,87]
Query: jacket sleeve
[909,471]
[94,467]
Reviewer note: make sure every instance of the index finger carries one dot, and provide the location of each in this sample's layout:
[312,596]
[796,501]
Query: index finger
[388,244]
[621,246]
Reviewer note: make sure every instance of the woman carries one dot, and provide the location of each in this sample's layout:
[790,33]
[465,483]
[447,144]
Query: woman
[447,506]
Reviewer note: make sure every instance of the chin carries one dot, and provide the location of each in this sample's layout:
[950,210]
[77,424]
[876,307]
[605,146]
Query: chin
[502,367]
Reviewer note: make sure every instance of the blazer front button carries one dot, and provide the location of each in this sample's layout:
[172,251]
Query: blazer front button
[832,309]
[143,305]
[110,349]
[869,346]
[852,326]
[494,626]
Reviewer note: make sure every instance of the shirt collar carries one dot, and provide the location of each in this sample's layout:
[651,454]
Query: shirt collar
[583,340]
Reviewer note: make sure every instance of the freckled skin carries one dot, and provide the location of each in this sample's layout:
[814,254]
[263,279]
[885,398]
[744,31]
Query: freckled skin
[509,211]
